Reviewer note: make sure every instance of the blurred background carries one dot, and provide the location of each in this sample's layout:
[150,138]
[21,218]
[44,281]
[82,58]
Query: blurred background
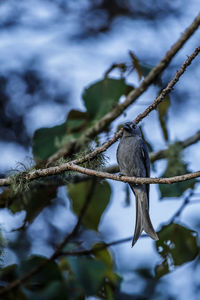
[50,52]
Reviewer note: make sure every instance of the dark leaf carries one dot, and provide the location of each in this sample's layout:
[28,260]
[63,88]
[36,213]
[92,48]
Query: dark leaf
[32,201]
[54,290]
[47,141]
[8,274]
[97,193]
[175,166]
[89,273]
[47,274]
[102,96]
[162,114]
[177,245]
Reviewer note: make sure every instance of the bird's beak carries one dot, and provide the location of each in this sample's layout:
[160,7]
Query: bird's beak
[126,126]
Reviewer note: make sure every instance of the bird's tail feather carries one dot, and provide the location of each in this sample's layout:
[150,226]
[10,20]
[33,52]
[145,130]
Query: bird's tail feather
[143,221]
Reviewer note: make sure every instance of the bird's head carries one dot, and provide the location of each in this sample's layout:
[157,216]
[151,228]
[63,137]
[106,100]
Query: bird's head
[130,129]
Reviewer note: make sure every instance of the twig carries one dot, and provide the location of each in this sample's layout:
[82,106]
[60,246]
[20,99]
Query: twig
[169,87]
[138,180]
[132,96]
[182,207]
[60,180]
[157,155]
[99,247]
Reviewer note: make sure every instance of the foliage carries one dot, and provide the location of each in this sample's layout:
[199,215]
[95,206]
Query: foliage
[99,98]
[177,245]
[175,166]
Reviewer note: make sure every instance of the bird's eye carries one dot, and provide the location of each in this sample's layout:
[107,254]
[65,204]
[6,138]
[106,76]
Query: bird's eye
[134,126]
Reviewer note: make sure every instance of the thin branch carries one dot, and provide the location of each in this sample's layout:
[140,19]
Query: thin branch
[132,96]
[169,87]
[182,207]
[154,156]
[157,155]
[99,247]
[138,180]
[75,178]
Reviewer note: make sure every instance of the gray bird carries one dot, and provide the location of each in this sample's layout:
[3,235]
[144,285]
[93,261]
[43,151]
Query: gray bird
[133,160]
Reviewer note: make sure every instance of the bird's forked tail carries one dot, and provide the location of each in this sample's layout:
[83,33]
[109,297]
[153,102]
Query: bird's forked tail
[143,221]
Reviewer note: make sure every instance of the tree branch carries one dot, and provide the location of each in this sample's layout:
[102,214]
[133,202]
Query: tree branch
[132,96]
[70,166]
[60,180]
[161,154]
[169,87]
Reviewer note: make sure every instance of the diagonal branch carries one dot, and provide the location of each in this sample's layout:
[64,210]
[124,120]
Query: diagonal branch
[161,154]
[60,180]
[132,96]
[169,87]
[71,166]
[154,156]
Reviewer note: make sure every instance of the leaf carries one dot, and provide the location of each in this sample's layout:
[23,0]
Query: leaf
[8,273]
[162,114]
[44,141]
[177,245]
[105,256]
[32,201]
[136,64]
[175,166]
[47,274]
[47,141]
[88,272]
[98,194]
[54,290]
[102,96]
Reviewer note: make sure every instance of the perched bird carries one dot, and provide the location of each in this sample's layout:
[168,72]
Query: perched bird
[133,160]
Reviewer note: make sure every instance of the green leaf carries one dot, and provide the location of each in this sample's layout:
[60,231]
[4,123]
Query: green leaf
[97,193]
[8,273]
[105,256]
[177,245]
[175,166]
[47,141]
[54,290]
[162,114]
[102,96]
[88,272]
[48,273]
[32,201]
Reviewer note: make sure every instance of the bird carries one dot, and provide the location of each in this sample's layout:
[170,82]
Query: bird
[133,160]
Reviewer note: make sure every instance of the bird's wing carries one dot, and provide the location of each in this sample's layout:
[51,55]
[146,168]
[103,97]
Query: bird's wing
[146,161]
